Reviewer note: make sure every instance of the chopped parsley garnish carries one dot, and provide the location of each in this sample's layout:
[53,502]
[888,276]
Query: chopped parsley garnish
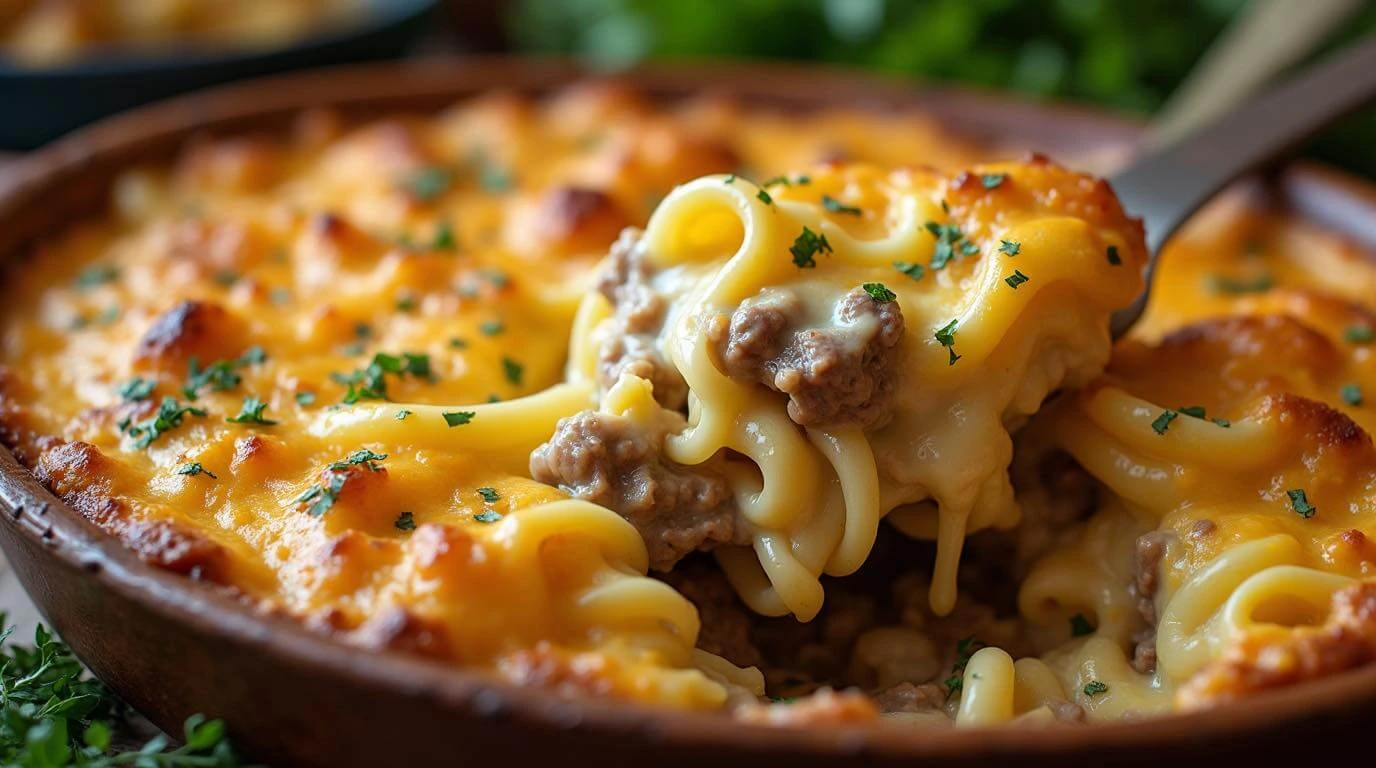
[1300,502]
[226,277]
[1197,411]
[1010,247]
[491,176]
[458,418]
[1016,279]
[428,183]
[1359,334]
[370,383]
[444,237]
[169,416]
[305,398]
[321,496]
[221,375]
[915,271]
[195,468]
[251,413]
[406,304]
[488,516]
[402,414]
[457,343]
[730,179]
[1080,626]
[993,180]
[965,648]
[800,180]
[836,206]
[1113,257]
[946,335]
[806,246]
[879,292]
[491,328]
[513,371]
[1095,687]
[1230,285]
[1163,422]
[764,197]
[405,522]
[279,296]
[137,389]
[489,495]
[1352,394]
[948,236]
[95,275]
[362,457]
[1222,422]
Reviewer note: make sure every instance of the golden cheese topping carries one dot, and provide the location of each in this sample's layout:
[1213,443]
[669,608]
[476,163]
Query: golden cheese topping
[455,385]
[40,33]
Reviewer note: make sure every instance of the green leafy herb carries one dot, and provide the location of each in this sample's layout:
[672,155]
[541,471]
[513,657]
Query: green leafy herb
[169,416]
[305,398]
[1113,257]
[457,343]
[915,271]
[489,495]
[491,175]
[1299,501]
[488,516]
[406,304]
[55,716]
[444,237]
[806,246]
[137,389]
[836,206]
[730,179]
[458,418]
[948,243]
[1359,334]
[1010,247]
[491,328]
[251,412]
[362,457]
[195,468]
[370,383]
[226,277]
[1016,279]
[879,292]
[764,197]
[513,371]
[1163,422]
[1095,687]
[428,183]
[1197,411]
[993,180]
[1352,394]
[98,274]
[319,498]
[221,375]
[965,648]
[402,414]
[1229,285]
[1222,422]
[1080,626]
[946,335]
[405,522]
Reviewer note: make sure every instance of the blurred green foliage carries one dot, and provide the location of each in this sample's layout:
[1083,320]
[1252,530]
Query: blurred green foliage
[1124,54]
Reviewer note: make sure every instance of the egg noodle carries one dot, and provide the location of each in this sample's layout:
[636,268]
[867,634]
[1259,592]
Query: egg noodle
[573,393]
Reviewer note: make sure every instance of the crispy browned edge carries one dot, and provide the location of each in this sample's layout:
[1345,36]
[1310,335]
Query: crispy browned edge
[153,634]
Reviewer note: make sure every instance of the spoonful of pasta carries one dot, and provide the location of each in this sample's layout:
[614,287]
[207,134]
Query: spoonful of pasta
[1167,185]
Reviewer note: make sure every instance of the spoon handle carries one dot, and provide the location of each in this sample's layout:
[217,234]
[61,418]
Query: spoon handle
[1166,186]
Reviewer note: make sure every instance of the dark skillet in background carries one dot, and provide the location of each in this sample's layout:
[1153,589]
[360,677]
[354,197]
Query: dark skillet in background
[42,103]
[171,646]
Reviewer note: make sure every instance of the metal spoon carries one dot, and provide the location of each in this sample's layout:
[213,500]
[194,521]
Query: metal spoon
[1166,186]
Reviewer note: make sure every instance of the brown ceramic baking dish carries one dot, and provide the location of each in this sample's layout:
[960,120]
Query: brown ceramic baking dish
[172,647]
